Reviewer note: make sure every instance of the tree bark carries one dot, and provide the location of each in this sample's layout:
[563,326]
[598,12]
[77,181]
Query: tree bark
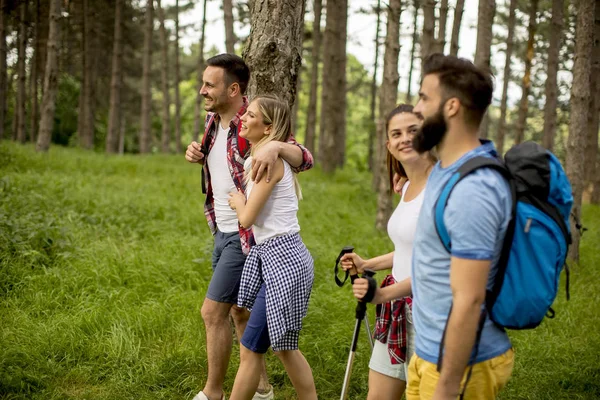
[230,38]
[551,80]
[506,77]
[428,37]
[440,43]
[3,71]
[458,13]
[22,74]
[372,135]
[86,118]
[145,129]
[415,38]
[34,80]
[311,112]
[114,113]
[332,141]
[274,49]
[198,107]
[177,80]
[526,86]
[485,22]
[591,148]
[164,74]
[50,79]
[578,123]
[387,101]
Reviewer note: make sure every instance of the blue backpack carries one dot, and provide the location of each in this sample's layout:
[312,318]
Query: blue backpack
[537,238]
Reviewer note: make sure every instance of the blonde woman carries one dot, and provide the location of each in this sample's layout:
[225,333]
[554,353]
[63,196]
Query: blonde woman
[278,274]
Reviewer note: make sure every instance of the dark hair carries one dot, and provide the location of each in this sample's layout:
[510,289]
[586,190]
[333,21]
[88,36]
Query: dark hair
[460,78]
[235,68]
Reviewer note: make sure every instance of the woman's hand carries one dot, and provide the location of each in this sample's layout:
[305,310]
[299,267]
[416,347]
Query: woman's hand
[360,287]
[237,200]
[352,260]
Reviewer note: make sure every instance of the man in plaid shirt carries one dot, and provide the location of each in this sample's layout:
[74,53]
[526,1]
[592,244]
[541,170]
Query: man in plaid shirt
[222,154]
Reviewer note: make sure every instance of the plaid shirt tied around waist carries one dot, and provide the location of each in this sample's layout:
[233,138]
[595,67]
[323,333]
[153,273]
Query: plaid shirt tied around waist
[390,325]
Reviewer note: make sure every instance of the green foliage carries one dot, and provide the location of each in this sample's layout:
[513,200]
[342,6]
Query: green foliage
[105,260]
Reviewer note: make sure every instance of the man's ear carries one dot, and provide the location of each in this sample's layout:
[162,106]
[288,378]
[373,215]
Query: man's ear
[452,107]
[234,89]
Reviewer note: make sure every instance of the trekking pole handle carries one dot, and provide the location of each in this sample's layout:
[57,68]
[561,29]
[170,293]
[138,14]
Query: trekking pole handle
[345,250]
[361,306]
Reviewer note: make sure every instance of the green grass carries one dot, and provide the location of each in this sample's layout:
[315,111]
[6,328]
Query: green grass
[104,262]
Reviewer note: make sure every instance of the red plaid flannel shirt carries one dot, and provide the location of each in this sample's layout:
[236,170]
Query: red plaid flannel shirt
[391,317]
[238,149]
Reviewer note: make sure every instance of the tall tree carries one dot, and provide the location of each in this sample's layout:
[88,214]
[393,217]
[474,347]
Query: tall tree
[50,78]
[332,140]
[3,82]
[145,129]
[34,79]
[428,37]
[415,38]
[591,148]
[114,113]
[177,80]
[311,112]
[198,105]
[485,22]
[458,13]
[578,123]
[374,83]
[230,38]
[440,43]
[22,74]
[387,101]
[552,73]
[164,74]
[506,76]
[526,85]
[86,118]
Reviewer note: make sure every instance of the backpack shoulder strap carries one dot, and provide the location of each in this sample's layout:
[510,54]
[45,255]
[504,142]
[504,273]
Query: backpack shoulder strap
[464,170]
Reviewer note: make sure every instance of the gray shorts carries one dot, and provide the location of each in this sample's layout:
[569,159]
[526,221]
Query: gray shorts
[227,264]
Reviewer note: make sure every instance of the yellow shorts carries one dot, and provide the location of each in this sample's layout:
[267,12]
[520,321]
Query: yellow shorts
[487,379]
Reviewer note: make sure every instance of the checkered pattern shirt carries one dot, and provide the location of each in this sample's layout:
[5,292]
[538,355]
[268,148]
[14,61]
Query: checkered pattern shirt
[390,325]
[237,152]
[286,267]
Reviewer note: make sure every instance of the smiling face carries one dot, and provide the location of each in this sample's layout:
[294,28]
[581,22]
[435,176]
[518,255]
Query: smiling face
[253,126]
[401,130]
[214,90]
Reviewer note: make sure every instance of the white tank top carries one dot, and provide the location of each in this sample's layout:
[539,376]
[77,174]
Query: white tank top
[401,229]
[279,214]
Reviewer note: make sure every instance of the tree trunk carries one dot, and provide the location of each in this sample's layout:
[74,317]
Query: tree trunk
[50,79]
[34,82]
[230,38]
[198,107]
[440,43]
[114,113]
[458,13]
[311,112]
[145,129]
[428,38]
[22,74]
[580,99]
[296,106]
[387,101]
[591,148]
[372,135]
[164,74]
[415,38]
[332,141]
[87,95]
[83,83]
[506,77]
[177,80]
[274,49]
[524,105]
[3,77]
[551,80]
[485,22]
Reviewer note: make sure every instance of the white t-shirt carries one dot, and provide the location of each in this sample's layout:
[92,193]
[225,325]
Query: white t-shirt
[222,183]
[402,226]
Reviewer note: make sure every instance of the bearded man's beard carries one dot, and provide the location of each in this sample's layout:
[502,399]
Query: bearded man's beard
[431,133]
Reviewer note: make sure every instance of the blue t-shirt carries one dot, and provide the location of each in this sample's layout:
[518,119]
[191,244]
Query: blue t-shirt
[476,217]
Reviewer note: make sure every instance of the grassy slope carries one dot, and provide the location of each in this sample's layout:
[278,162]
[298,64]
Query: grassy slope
[104,262]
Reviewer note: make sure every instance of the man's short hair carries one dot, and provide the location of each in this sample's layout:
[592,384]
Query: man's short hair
[236,70]
[460,78]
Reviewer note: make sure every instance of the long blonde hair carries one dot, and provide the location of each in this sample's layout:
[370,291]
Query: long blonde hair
[276,114]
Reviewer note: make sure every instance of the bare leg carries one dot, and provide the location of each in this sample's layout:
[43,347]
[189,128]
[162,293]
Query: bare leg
[383,387]
[248,374]
[299,372]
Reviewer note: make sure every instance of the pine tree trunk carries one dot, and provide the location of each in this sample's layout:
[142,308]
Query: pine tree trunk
[524,105]
[387,101]
[333,101]
[274,50]
[177,80]
[506,77]
[50,78]
[591,148]
[114,113]
[428,38]
[311,112]
[22,74]
[230,38]
[440,43]
[373,135]
[415,38]
[145,129]
[578,123]
[164,74]
[85,121]
[3,77]
[198,106]
[296,106]
[551,80]
[458,13]
[485,22]
[34,82]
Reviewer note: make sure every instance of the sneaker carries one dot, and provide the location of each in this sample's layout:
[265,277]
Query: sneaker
[202,396]
[264,396]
